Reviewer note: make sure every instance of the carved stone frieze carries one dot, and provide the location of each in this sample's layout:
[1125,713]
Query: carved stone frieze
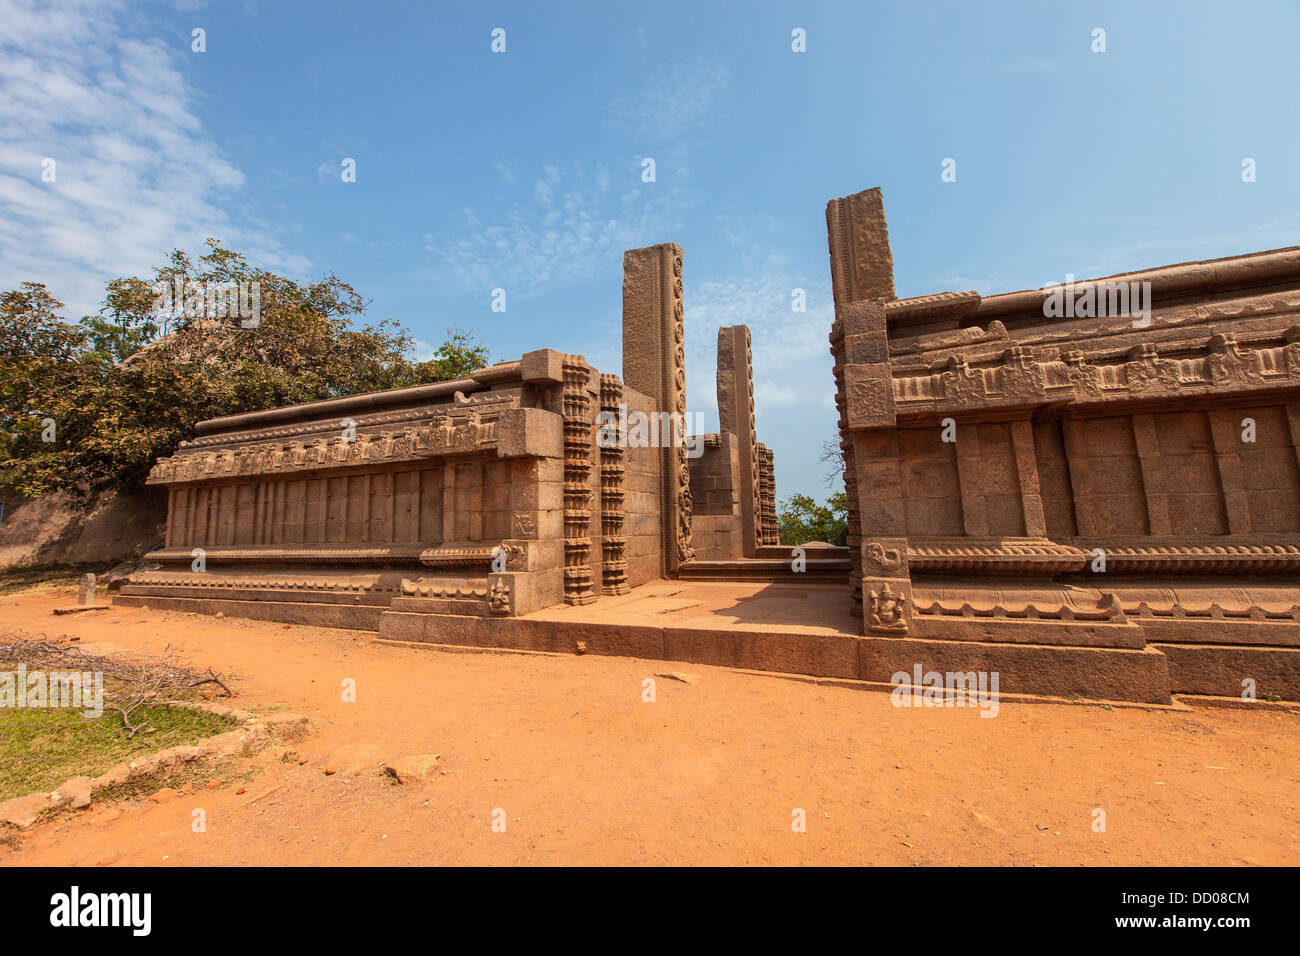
[446,435]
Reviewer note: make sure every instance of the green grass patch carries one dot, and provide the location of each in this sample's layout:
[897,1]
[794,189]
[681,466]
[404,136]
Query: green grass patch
[41,748]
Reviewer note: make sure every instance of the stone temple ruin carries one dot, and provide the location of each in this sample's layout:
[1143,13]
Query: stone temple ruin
[1086,502]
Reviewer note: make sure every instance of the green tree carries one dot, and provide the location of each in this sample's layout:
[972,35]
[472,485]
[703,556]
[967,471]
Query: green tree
[801,519]
[120,396]
[455,358]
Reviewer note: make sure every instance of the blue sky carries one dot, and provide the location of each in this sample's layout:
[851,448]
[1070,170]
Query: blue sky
[522,170]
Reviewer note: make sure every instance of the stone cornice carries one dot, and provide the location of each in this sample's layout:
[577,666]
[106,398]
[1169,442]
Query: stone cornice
[352,405]
[447,435]
[1205,277]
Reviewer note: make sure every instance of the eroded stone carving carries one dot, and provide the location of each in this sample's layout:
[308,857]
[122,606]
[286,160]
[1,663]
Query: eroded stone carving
[498,595]
[888,610]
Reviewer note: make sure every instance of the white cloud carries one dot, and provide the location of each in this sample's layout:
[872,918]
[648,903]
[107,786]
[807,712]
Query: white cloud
[781,338]
[573,225]
[136,174]
[790,350]
[581,219]
[666,108]
[504,171]
[329,171]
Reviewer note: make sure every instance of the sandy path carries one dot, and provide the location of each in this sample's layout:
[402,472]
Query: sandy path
[709,773]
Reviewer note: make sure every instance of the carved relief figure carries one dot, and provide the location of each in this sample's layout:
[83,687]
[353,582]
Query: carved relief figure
[888,610]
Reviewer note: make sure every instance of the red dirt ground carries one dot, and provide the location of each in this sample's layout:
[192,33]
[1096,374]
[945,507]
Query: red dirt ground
[708,774]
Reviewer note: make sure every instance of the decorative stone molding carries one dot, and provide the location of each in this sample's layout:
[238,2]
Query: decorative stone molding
[1202,558]
[578,584]
[994,603]
[946,305]
[455,556]
[330,427]
[676,391]
[972,556]
[320,554]
[280,581]
[768,530]
[442,588]
[1215,364]
[445,436]
[612,471]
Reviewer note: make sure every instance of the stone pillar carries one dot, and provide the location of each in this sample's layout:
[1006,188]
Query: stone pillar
[612,516]
[736,416]
[769,533]
[862,280]
[862,264]
[577,481]
[654,363]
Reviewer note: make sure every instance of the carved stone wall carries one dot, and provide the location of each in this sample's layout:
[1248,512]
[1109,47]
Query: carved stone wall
[451,495]
[1014,476]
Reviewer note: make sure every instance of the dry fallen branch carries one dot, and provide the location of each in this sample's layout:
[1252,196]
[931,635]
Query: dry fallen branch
[130,680]
[213,679]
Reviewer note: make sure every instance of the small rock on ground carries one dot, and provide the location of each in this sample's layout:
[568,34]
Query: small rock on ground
[413,769]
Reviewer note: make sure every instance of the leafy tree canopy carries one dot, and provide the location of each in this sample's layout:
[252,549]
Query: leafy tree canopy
[92,405]
[800,519]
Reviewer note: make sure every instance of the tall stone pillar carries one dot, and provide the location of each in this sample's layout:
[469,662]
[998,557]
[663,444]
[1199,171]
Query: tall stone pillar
[654,363]
[736,415]
[862,280]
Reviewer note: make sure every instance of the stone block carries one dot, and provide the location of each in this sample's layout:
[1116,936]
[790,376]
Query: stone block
[542,367]
[529,432]
[869,392]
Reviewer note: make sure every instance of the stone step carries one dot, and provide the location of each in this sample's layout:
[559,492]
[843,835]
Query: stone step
[782,552]
[766,569]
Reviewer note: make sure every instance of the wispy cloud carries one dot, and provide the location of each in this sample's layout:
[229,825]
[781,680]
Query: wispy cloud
[789,348]
[578,219]
[667,107]
[574,224]
[135,174]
